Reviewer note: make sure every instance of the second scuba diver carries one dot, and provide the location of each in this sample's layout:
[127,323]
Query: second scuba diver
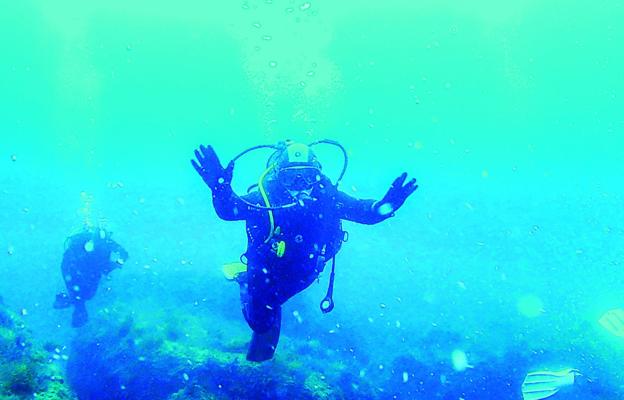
[293,222]
[88,256]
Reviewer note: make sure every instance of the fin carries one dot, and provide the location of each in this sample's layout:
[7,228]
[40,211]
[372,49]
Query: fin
[263,345]
[613,322]
[232,270]
[62,301]
[543,384]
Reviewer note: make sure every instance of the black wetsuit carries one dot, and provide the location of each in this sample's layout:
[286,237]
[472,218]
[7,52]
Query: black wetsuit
[86,259]
[310,229]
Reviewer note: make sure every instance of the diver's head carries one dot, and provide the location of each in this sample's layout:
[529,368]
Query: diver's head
[297,168]
[97,231]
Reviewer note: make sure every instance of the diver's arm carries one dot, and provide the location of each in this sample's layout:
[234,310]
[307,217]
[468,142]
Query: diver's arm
[362,211]
[228,205]
[117,248]
[116,256]
[372,212]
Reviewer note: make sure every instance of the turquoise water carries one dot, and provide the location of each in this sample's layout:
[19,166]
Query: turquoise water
[508,114]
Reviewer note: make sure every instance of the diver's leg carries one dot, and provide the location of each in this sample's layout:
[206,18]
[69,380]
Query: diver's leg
[80,315]
[263,345]
[258,303]
[263,319]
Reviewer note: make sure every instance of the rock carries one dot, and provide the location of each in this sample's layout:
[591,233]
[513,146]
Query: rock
[26,371]
[202,360]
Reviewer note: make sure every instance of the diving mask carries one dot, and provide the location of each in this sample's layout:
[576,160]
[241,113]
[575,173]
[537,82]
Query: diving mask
[299,178]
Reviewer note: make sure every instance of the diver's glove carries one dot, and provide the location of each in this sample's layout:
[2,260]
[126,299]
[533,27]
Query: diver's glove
[395,197]
[210,169]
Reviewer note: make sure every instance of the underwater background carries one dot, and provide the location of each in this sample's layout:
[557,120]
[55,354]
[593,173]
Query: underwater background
[504,260]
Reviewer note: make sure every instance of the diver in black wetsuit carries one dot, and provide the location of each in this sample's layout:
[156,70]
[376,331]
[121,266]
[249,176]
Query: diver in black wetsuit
[294,226]
[88,256]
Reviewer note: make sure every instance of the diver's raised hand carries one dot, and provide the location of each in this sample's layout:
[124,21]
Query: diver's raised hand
[210,169]
[397,194]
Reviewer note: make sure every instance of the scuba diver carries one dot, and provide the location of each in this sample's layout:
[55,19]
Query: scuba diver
[293,218]
[88,256]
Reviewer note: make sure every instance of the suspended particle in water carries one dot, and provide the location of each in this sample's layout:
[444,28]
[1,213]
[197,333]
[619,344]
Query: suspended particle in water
[185,376]
[10,250]
[405,377]
[305,6]
[530,306]
[257,25]
[24,312]
[272,64]
[385,209]
[459,360]
[297,316]
[13,157]
[267,37]
[89,246]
